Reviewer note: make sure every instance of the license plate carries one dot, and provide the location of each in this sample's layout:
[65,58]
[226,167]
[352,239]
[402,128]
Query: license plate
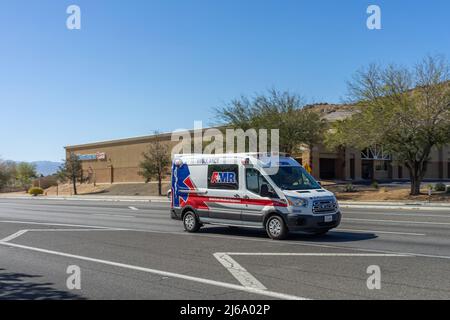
[328,218]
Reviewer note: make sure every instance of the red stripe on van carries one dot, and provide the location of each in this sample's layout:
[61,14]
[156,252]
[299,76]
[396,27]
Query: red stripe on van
[198,201]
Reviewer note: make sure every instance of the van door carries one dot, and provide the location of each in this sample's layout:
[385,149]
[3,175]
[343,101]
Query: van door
[253,211]
[224,196]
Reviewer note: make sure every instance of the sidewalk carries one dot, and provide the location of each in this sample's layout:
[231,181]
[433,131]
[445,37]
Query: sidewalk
[91,198]
[406,205]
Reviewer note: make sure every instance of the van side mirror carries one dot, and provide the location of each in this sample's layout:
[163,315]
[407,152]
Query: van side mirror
[264,191]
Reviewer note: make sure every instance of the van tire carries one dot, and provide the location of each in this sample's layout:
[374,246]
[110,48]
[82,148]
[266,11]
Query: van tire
[276,228]
[190,222]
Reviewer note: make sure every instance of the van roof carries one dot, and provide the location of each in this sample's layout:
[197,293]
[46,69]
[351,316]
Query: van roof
[264,159]
[233,155]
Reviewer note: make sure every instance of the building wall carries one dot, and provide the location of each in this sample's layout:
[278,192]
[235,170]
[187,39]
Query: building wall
[123,157]
[348,164]
[121,164]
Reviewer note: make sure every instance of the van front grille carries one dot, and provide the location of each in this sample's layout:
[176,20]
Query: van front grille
[324,206]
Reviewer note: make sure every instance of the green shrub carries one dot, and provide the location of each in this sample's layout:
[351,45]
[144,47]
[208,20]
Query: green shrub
[439,187]
[35,191]
[375,184]
[349,188]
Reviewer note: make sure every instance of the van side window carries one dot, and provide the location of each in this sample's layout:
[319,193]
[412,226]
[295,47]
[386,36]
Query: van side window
[254,180]
[223,176]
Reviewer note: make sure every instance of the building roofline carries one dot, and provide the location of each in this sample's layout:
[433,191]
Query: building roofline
[115,141]
[136,139]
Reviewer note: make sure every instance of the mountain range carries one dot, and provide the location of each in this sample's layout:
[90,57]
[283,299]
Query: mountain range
[46,167]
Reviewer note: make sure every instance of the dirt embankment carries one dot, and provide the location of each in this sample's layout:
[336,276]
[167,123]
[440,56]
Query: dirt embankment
[129,189]
[386,194]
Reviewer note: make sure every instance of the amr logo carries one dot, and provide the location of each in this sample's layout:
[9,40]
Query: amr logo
[223,177]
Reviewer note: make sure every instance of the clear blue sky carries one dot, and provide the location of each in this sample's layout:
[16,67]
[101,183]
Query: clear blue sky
[139,66]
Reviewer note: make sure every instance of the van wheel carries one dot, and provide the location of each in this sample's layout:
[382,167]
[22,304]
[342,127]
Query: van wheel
[190,221]
[276,228]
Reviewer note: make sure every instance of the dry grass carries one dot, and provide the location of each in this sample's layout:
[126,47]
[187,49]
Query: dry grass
[67,189]
[386,193]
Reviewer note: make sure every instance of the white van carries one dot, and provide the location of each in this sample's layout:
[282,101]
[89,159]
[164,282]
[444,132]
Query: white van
[244,190]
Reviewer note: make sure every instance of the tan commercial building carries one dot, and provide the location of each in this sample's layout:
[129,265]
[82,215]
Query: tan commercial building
[117,161]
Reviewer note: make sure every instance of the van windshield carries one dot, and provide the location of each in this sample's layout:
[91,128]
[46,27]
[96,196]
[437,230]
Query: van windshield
[294,178]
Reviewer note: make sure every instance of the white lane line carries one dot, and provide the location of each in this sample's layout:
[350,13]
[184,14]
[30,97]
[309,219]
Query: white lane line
[240,273]
[73,230]
[397,221]
[369,213]
[249,281]
[21,232]
[315,254]
[221,284]
[113,215]
[133,208]
[378,231]
[355,206]
[52,224]
[14,236]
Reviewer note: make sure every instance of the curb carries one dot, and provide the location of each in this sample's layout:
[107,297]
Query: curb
[89,199]
[343,204]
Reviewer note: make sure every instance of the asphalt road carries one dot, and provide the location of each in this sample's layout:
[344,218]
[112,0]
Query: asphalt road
[128,250]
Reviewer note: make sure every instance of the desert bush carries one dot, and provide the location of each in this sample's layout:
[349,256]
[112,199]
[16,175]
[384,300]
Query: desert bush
[35,191]
[349,188]
[375,184]
[46,182]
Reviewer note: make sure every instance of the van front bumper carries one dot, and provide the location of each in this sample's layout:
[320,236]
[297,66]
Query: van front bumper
[312,223]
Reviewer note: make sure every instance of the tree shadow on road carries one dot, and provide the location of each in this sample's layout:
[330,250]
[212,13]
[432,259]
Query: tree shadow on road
[20,286]
[330,237]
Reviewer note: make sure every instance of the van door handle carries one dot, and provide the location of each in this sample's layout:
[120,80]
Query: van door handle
[237,196]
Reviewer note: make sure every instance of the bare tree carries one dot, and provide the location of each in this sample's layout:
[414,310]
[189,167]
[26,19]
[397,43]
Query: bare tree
[71,170]
[155,163]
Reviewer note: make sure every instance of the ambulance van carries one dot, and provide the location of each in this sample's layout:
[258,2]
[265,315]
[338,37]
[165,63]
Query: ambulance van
[252,191]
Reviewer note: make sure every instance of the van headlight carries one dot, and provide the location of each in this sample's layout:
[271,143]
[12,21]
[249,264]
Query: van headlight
[297,202]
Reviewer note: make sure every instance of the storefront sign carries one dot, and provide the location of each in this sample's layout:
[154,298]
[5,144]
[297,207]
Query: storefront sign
[94,156]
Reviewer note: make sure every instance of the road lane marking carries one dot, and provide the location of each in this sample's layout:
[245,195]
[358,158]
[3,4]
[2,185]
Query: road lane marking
[249,281]
[133,208]
[378,231]
[346,206]
[240,273]
[397,221]
[73,230]
[14,236]
[425,215]
[53,224]
[314,254]
[113,215]
[21,232]
[216,283]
